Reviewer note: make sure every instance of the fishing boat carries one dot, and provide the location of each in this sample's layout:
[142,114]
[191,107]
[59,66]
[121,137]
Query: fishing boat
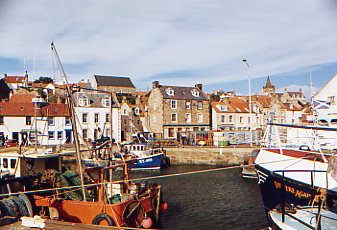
[121,203]
[88,196]
[139,150]
[294,175]
[248,170]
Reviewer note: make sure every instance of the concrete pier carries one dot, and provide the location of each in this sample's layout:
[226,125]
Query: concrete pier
[208,155]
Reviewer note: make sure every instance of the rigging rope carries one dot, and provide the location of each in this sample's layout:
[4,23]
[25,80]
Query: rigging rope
[142,178]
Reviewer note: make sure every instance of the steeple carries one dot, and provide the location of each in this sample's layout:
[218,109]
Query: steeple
[268,88]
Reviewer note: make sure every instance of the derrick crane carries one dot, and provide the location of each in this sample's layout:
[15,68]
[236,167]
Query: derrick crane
[71,108]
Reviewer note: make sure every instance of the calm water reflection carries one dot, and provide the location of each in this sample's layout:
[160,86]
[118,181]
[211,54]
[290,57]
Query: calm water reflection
[211,200]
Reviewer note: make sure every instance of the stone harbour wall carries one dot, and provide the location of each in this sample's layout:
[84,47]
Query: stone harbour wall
[208,155]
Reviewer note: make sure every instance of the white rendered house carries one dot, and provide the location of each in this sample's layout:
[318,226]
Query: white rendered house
[97,116]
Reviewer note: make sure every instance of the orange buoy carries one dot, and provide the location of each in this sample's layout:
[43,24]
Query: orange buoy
[164,206]
[147,222]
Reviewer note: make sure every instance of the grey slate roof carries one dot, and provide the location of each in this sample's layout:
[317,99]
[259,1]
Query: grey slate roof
[182,93]
[113,81]
[95,99]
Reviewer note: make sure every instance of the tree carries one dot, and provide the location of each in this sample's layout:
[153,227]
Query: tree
[44,80]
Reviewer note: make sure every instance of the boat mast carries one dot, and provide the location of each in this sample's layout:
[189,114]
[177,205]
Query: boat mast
[71,108]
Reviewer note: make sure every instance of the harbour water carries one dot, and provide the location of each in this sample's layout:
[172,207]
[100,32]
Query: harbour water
[209,200]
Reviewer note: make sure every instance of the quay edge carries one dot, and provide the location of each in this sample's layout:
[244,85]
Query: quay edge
[196,155]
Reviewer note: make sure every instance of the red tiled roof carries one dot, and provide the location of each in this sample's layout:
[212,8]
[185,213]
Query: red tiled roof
[264,100]
[14,79]
[141,93]
[28,109]
[21,98]
[40,84]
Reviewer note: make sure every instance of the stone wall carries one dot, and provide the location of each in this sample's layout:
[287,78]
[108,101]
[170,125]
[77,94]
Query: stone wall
[208,155]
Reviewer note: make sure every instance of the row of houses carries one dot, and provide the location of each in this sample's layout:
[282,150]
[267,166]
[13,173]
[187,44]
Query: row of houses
[37,112]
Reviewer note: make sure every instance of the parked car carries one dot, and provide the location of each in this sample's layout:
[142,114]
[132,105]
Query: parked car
[11,143]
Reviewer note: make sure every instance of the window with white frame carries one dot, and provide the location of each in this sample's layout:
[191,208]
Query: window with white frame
[83,101]
[106,102]
[188,117]
[199,118]
[85,133]
[84,117]
[1,120]
[67,121]
[230,118]
[174,117]
[169,91]
[240,119]
[195,92]
[96,118]
[51,121]
[223,108]
[107,117]
[173,104]
[28,120]
[51,135]
[223,118]
[199,105]
[188,105]
[59,135]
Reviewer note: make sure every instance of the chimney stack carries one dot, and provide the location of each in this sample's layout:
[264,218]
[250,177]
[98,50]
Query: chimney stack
[155,84]
[199,86]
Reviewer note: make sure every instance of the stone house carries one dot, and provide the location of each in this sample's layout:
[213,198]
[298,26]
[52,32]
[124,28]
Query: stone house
[122,86]
[173,109]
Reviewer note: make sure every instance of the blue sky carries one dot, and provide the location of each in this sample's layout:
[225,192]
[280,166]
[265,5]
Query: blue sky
[178,42]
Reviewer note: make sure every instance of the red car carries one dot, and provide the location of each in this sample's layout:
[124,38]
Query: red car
[11,143]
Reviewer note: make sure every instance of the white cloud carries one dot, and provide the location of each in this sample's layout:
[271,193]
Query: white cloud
[142,39]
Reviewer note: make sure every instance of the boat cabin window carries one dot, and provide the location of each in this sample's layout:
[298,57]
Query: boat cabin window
[5,163]
[333,120]
[13,162]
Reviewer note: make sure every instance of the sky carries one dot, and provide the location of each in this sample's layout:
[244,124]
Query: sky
[175,42]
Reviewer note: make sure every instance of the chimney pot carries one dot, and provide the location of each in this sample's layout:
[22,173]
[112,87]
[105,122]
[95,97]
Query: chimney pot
[155,84]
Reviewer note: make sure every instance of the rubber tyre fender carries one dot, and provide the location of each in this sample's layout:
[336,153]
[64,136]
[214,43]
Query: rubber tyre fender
[133,214]
[21,205]
[103,216]
[3,209]
[165,162]
[11,207]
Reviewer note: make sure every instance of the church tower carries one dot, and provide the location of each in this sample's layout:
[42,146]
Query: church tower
[268,88]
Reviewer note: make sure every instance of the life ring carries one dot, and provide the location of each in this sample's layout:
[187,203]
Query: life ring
[165,162]
[133,214]
[103,217]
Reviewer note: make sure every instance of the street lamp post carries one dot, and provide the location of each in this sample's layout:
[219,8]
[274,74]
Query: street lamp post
[250,103]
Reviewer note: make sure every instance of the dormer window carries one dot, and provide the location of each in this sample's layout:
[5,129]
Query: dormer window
[223,108]
[83,101]
[195,93]
[170,91]
[106,102]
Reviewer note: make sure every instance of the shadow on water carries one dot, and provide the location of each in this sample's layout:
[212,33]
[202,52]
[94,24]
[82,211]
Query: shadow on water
[209,200]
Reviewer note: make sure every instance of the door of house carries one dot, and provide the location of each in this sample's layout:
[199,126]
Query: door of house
[170,132]
[15,135]
[68,136]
